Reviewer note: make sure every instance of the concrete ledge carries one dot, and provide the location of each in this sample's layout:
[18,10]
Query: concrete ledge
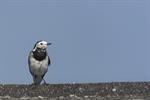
[98,91]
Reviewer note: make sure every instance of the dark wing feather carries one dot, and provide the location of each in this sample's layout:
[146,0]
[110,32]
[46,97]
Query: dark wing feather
[49,61]
[30,54]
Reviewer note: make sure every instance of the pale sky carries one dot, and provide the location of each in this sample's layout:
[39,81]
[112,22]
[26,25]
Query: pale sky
[92,40]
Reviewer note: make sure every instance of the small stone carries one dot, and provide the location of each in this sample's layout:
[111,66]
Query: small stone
[61,97]
[86,96]
[114,90]
[71,95]
[8,97]
[40,97]
[25,98]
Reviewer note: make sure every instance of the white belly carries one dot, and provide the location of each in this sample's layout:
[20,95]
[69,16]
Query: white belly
[38,67]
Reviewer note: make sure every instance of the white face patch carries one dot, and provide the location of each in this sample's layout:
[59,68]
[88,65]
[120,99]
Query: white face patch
[42,45]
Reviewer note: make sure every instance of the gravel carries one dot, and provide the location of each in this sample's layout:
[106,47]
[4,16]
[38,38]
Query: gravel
[91,91]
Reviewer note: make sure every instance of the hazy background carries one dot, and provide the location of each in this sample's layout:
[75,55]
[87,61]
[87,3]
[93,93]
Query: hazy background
[92,40]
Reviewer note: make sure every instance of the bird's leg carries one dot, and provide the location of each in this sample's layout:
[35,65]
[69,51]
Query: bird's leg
[44,82]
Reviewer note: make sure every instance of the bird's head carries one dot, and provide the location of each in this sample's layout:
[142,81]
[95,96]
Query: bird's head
[41,45]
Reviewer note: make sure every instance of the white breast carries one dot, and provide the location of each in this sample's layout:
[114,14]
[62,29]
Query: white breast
[38,67]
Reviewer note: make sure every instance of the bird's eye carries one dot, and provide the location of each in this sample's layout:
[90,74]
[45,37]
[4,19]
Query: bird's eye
[41,43]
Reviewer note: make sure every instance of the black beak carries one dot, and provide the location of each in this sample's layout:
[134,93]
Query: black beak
[49,43]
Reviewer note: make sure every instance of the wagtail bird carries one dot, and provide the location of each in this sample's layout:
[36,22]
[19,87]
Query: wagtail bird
[39,61]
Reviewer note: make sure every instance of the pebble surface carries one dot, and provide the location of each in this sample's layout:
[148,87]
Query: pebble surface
[91,91]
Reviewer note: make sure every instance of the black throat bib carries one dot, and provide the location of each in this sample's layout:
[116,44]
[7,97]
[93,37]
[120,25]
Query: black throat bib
[39,54]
